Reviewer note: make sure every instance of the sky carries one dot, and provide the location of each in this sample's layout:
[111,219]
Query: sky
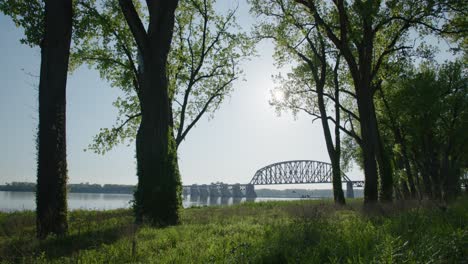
[245,134]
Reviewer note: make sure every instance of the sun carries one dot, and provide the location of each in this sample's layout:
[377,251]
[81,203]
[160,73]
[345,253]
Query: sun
[278,95]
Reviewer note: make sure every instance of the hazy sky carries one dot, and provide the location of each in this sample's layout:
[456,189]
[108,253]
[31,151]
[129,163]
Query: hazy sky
[245,134]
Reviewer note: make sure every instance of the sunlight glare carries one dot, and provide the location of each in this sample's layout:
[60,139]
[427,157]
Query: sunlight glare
[278,95]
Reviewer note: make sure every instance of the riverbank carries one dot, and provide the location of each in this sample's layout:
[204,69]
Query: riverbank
[268,232]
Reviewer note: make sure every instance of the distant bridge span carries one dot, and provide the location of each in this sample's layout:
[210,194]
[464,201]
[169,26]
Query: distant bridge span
[298,172]
[286,172]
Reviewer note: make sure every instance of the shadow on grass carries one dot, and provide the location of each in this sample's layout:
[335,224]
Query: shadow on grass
[55,247]
[87,231]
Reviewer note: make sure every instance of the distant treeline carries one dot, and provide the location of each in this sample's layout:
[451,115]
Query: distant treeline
[74,188]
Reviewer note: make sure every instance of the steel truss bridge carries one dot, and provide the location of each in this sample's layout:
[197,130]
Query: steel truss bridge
[286,172]
[298,172]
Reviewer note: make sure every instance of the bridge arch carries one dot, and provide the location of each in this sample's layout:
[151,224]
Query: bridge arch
[295,172]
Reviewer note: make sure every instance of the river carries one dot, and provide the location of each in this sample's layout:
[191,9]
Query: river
[19,201]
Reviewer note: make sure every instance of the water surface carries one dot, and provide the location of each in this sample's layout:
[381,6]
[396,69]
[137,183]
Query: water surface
[20,201]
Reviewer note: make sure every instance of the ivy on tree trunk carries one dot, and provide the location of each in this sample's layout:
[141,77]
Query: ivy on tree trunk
[51,194]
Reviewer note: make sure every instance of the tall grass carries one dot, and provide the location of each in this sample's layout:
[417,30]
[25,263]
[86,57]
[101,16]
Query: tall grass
[269,232]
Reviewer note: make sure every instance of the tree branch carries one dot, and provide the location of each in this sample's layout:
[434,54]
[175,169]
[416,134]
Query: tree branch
[349,133]
[116,130]
[341,44]
[135,25]
[182,133]
[115,33]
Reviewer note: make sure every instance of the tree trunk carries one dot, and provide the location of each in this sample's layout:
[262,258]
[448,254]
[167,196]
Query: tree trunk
[337,174]
[333,152]
[383,161]
[406,163]
[434,172]
[403,189]
[157,197]
[425,172]
[365,103]
[51,194]
[362,79]
[368,132]
[158,194]
[451,173]
[338,194]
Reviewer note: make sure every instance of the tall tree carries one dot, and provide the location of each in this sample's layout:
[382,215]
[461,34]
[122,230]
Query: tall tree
[299,91]
[203,64]
[200,67]
[49,25]
[311,84]
[157,197]
[407,185]
[51,194]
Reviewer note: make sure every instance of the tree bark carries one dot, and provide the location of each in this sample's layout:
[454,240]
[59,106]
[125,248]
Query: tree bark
[368,134]
[51,194]
[451,174]
[406,163]
[425,172]
[337,174]
[385,172]
[384,166]
[333,152]
[434,170]
[365,99]
[157,198]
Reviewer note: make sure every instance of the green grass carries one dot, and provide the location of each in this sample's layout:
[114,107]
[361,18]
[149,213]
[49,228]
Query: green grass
[269,232]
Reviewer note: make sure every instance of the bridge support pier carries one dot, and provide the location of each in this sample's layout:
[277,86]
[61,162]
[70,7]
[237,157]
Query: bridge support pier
[194,191]
[349,190]
[225,192]
[214,192]
[185,191]
[250,191]
[204,192]
[236,190]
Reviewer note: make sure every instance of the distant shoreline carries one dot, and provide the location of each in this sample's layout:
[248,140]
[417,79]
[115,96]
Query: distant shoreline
[3,190]
[72,188]
[129,189]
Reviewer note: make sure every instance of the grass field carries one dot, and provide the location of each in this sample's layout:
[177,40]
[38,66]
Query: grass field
[269,232]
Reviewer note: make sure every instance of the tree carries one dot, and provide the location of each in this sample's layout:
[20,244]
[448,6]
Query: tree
[407,185]
[51,194]
[431,107]
[367,33]
[203,64]
[394,136]
[304,88]
[53,19]
[157,198]
[301,92]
